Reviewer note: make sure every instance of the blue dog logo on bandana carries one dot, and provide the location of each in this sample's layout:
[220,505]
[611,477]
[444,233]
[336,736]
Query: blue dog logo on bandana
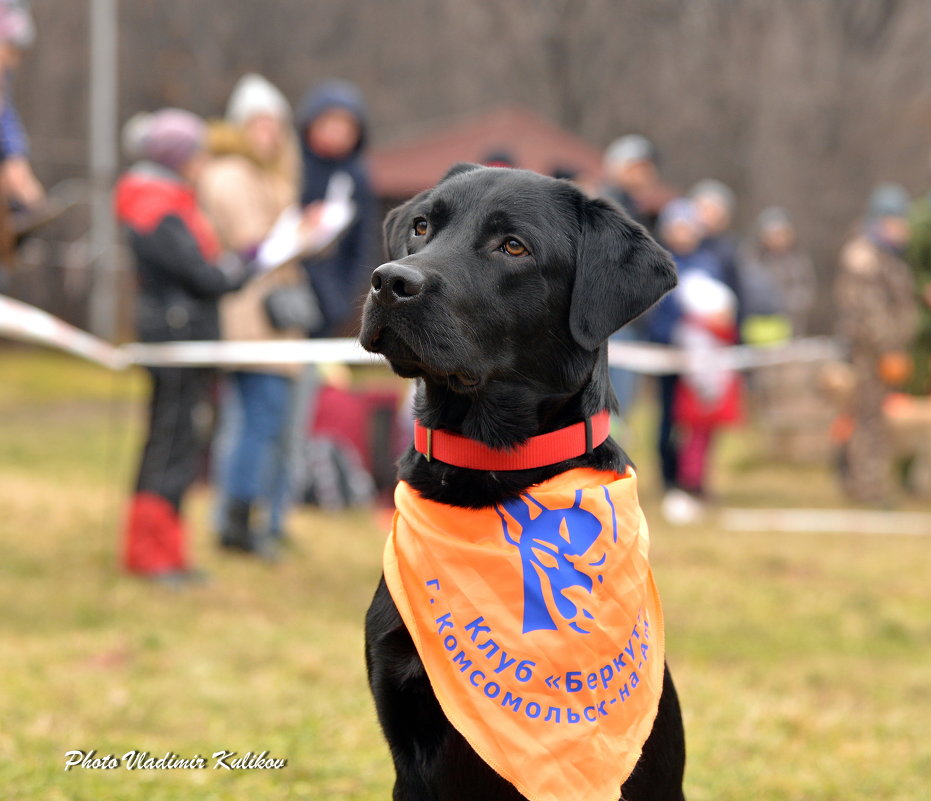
[553,544]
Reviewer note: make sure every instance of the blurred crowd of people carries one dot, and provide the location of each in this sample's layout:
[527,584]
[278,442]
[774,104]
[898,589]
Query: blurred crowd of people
[261,226]
[763,289]
[225,219]
[208,205]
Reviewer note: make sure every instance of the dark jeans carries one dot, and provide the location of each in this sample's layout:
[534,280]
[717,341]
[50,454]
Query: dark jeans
[668,446]
[170,455]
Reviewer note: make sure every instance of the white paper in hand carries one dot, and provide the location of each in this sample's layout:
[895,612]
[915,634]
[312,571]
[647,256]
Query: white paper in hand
[290,239]
[337,215]
[283,242]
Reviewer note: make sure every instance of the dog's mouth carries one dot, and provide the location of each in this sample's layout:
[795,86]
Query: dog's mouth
[408,363]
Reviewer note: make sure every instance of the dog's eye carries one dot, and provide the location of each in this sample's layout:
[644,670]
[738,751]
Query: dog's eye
[514,247]
[419,228]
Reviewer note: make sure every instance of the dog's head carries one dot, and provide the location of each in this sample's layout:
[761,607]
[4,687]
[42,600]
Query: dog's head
[506,277]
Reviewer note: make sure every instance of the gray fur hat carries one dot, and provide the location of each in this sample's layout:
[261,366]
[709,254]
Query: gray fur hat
[888,200]
[715,190]
[629,149]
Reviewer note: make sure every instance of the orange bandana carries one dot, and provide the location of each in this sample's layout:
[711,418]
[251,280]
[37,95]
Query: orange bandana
[539,626]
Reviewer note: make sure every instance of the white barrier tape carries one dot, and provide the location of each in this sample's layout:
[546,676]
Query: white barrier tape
[653,359]
[282,351]
[827,521]
[23,322]
[26,323]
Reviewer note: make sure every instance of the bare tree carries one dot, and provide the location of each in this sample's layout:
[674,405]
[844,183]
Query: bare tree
[803,104]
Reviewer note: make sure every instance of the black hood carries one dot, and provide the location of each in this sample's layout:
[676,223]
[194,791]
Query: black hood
[332,94]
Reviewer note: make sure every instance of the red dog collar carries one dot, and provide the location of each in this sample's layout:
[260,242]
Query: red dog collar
[540,451]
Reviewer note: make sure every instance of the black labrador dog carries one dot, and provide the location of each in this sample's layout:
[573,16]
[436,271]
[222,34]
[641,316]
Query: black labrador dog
[500,293]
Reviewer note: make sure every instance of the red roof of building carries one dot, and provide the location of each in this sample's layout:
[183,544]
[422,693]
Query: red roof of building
[408,167]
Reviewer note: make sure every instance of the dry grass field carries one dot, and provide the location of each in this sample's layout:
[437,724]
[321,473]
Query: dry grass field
[803,661]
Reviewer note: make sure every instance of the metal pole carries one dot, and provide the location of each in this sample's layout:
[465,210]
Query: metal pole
[103,164]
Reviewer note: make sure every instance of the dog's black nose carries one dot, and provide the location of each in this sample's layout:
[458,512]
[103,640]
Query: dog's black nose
[396,283]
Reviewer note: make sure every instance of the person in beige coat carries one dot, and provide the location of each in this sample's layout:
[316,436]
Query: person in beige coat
[252,178]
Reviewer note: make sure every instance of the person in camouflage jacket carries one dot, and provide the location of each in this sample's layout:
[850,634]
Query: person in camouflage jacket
[919,256]
[877,320]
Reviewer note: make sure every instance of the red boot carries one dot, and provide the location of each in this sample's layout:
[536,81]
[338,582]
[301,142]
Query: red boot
[154,541]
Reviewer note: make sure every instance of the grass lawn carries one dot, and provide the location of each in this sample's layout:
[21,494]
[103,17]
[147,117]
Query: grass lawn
[802,660]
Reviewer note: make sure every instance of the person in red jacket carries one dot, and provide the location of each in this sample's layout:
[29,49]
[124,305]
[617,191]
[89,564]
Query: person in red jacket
[708,394]
[181,276]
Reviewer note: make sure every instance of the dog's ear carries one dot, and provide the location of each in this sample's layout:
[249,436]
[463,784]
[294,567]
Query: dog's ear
[620,273]
[397,227]
[396,230]
[460,168]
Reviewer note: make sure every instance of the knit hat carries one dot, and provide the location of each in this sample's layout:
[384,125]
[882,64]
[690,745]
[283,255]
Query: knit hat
[700,294]
[773,218]
[680,210]
[716,191]
[253,95]
[170,136]
[629,149]
[16,25]
[888,200]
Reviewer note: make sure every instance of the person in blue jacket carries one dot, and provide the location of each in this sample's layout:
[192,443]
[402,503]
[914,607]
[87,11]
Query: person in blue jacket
[331,125]
[332,130]
[20,185]
[22,197]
